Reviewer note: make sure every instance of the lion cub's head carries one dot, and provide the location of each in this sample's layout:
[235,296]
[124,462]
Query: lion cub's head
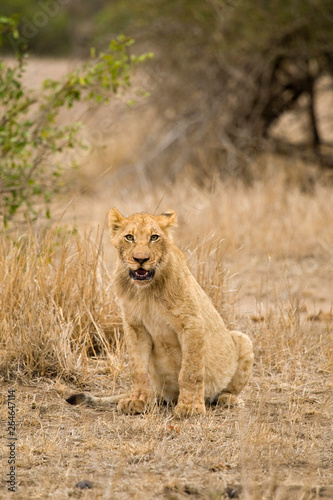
[142,242]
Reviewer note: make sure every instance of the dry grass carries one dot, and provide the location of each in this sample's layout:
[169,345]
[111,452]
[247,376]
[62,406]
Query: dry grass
[264,255]
[55,296]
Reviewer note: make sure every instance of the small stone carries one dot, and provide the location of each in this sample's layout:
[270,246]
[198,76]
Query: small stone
[84,485]
[232,491]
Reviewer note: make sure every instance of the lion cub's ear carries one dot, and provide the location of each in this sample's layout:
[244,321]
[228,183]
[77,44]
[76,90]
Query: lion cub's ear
[167,219]
[116,220]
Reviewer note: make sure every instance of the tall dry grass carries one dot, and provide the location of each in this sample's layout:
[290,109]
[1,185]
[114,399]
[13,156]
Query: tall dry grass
[56,305]
[281,213]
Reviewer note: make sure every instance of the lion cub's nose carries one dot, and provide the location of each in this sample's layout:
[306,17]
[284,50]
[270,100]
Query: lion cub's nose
[141,258]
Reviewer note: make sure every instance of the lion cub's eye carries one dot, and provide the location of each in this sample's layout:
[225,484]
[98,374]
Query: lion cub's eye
[154,237]
[129,237]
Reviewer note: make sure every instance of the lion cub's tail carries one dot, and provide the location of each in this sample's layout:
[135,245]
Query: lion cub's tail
[87,399]
[245,362]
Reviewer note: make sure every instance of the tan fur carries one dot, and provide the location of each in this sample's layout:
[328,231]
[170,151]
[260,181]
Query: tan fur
[178,345]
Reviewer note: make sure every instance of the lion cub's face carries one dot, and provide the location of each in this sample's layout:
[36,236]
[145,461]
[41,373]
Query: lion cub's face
[142,241]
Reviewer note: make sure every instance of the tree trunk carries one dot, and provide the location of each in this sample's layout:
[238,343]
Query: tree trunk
[316,141]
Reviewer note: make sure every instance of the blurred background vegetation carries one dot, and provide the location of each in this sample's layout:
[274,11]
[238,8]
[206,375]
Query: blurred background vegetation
[224,73]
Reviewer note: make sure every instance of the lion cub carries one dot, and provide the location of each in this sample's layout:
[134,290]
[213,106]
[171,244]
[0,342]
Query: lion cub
[178,345]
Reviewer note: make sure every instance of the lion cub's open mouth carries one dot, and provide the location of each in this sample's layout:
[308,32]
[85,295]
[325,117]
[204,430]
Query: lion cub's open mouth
[142,274]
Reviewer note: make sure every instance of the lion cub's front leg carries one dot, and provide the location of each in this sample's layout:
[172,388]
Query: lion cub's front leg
[139,345]
[191,378]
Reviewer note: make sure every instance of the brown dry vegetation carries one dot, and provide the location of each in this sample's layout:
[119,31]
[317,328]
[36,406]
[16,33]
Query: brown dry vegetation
[264,255]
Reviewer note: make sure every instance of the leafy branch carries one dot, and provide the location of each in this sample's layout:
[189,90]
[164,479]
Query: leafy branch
[31,138]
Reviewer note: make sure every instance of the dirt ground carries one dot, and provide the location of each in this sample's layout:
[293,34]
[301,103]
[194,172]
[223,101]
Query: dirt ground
[277,446]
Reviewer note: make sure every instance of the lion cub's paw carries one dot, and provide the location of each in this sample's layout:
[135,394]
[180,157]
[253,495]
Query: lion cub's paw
[229,401]
[131,406]
[182,410]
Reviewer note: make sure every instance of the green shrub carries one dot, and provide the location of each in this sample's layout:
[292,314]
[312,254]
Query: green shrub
[31,140]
